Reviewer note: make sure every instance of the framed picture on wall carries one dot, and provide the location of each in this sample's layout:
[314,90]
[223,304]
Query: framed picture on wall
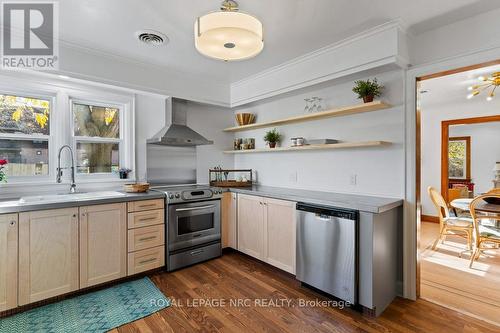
[459,158]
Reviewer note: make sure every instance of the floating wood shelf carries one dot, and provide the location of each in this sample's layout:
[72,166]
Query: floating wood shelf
[345,111]
[342,145]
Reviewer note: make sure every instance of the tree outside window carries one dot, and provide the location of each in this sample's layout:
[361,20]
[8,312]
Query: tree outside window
[97,135]
[24,135]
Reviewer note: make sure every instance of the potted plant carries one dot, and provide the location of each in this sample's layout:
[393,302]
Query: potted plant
[367,90]
[3,176]
[272,137]
[124,173]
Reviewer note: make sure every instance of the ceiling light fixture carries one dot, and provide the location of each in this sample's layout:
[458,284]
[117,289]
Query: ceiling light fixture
[487,82]
[228,34]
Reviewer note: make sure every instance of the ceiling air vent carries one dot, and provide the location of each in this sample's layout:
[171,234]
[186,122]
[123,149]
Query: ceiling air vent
[152,37]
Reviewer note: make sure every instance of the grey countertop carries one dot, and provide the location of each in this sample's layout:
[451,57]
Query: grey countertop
[372,204]
[366,203]
[15,206]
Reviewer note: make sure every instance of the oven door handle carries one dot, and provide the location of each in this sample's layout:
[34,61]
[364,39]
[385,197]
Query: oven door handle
[194,208]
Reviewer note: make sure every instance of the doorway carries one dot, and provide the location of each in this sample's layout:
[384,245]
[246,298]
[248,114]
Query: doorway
[453,156]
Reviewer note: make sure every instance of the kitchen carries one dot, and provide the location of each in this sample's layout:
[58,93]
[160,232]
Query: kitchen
[322,228]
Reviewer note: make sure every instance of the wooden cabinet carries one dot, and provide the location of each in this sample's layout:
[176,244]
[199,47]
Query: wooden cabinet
[8,261]
[251,216]
[279,234]
[146,218]
[145,260]
[139,206]
[228,219]
[146,236]
[103,243]
[266,230]
[48,254]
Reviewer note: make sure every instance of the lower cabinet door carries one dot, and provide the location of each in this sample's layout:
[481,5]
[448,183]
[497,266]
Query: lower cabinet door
[145,260]
[103,243]
[48,254]
[251,217]
[280,231]
[8,261]
[228,219]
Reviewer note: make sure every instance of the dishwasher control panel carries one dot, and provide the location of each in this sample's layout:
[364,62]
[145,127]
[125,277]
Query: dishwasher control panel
[327,211]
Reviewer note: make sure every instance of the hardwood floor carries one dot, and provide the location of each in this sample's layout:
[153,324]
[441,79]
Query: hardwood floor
[446,278]
[236,276]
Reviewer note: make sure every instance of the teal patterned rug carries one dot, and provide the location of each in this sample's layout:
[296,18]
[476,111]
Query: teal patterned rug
[99,311]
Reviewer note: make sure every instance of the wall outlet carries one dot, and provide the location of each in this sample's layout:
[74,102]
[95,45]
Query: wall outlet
[353,179]
[292,177]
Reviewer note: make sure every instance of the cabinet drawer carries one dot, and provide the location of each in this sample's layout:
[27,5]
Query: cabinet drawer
[146,260]
[137,206]
[145,238]
[146,218]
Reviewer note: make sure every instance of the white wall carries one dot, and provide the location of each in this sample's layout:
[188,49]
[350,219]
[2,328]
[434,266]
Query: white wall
[205,119]
[380,171]
[475,33]
[485,151]
[431,119]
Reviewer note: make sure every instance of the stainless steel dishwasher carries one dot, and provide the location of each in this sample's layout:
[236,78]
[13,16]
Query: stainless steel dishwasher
[327,250]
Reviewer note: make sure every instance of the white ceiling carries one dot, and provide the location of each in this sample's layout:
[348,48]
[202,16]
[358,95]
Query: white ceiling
[452,89]
[292,27]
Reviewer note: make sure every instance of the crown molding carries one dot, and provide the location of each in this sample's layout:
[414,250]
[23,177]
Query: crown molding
[398,23]
[134,61]
[397,59]
[180,80]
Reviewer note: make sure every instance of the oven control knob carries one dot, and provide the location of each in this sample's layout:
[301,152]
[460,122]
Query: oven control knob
[177,195]
[171,196]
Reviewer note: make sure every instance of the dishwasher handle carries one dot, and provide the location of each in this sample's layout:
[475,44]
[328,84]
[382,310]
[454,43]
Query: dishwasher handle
[324,211]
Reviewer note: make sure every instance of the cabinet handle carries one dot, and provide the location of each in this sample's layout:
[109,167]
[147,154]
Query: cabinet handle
[148,205]
[12,223]
[146,238]
[74,215]
[147,261]
[144,219]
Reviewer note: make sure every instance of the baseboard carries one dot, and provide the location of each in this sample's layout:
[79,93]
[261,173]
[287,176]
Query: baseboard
[429,218]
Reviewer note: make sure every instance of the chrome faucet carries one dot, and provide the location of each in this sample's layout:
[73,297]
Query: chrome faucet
[72,189]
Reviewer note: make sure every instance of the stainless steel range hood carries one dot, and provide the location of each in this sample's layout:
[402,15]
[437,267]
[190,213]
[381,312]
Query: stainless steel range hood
[178,133]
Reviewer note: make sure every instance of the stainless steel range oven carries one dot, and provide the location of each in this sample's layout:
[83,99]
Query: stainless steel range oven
[193,225]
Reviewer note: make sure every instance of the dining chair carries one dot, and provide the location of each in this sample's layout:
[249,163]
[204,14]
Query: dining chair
[486,227]
[494,191]
[459,191]
[450,225]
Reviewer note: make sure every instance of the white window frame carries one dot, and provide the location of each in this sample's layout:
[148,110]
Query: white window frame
[120,140]
[61,94]
[51,97]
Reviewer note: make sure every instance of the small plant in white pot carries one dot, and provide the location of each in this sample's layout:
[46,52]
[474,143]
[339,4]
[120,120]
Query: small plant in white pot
[367,90]
[272,137]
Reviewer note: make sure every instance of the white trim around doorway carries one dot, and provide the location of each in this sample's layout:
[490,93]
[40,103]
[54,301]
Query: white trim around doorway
[411,223]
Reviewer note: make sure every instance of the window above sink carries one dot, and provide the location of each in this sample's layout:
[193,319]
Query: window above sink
[37,119]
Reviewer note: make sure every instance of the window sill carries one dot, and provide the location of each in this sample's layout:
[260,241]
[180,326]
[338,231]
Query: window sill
[103,181]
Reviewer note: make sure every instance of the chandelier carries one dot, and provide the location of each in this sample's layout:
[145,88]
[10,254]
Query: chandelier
[488,83]
[228,34]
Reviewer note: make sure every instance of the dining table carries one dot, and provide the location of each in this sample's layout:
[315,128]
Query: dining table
[464,203]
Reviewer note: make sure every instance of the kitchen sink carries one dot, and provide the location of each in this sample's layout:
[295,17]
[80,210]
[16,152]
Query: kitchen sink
[69,197]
